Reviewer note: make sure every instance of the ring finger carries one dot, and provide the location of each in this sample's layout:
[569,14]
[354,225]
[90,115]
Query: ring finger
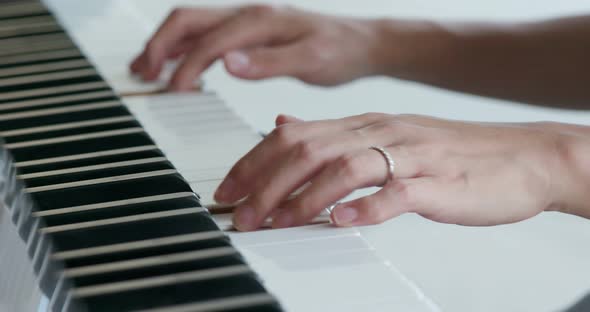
[344,175]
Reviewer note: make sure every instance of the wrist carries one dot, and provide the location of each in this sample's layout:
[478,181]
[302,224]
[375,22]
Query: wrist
[572,179]
[409,49]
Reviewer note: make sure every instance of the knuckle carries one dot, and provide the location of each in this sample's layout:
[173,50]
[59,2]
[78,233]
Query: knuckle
[304,207]
[259,10]
[405,195]
[284,134]
[370,116]
[374,214]
[306,150]
[177,15]
[350,169]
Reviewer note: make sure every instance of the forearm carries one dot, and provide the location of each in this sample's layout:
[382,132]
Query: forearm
[543,63]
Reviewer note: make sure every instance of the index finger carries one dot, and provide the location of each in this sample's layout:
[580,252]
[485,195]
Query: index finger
[180,24]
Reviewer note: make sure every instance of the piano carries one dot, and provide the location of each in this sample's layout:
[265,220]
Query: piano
[106,196]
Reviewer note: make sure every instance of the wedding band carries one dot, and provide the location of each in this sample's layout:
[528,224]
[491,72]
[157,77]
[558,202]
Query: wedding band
[388,159]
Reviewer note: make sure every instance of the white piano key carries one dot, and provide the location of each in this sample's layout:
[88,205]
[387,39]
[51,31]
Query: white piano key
[127,31]
[205,174]
[225,223]
[330,270]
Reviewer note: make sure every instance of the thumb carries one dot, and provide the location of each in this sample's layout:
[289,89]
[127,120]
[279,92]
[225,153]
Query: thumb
[263,62]
[395,198]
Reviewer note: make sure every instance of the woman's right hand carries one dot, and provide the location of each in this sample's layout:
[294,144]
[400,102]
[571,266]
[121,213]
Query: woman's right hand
[260,41]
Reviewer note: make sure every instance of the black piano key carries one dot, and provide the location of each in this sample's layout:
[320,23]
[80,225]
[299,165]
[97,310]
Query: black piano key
[267,307]
[82,146]
[145,152]
[133,231]
[95,174]
[35,44]
[261,302]
[22,9]
[91,111]
[53,79]
[180,292]
[21,105]
[38,28]
[184,243]
[68,132]
[37,69]
[43,93]
[72,131]
[186,201]
[163,268]
[40,57]
[120,190]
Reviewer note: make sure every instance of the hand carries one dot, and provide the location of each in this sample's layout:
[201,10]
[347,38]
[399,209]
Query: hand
[446,171]
[261,41]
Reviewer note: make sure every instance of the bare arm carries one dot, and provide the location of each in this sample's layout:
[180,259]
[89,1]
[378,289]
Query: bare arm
[545,63]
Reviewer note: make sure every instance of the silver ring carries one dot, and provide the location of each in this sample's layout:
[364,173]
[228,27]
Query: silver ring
[388,159]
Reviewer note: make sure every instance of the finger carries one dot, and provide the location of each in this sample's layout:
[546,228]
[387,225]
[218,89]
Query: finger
[266,62]
[179,25]
[285,119]
[238,182]
[253,26]
[175,52]
[275,184]
[396,198]
[342,177]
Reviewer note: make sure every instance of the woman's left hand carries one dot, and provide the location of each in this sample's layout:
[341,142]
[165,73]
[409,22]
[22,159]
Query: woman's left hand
[447,171]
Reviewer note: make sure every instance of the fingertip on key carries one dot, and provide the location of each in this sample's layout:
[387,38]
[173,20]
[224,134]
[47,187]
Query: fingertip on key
[283,219]
[245,218]
[344,216]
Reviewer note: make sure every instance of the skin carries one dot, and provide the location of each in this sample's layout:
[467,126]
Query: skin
[448,171]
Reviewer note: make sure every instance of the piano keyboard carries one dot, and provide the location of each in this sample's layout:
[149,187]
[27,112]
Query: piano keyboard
[98,196]
[110,224]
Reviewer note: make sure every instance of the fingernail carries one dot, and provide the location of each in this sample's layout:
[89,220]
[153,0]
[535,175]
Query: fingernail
[344,215]
[244,218]
[225,191]
[237,61]
[283,220]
